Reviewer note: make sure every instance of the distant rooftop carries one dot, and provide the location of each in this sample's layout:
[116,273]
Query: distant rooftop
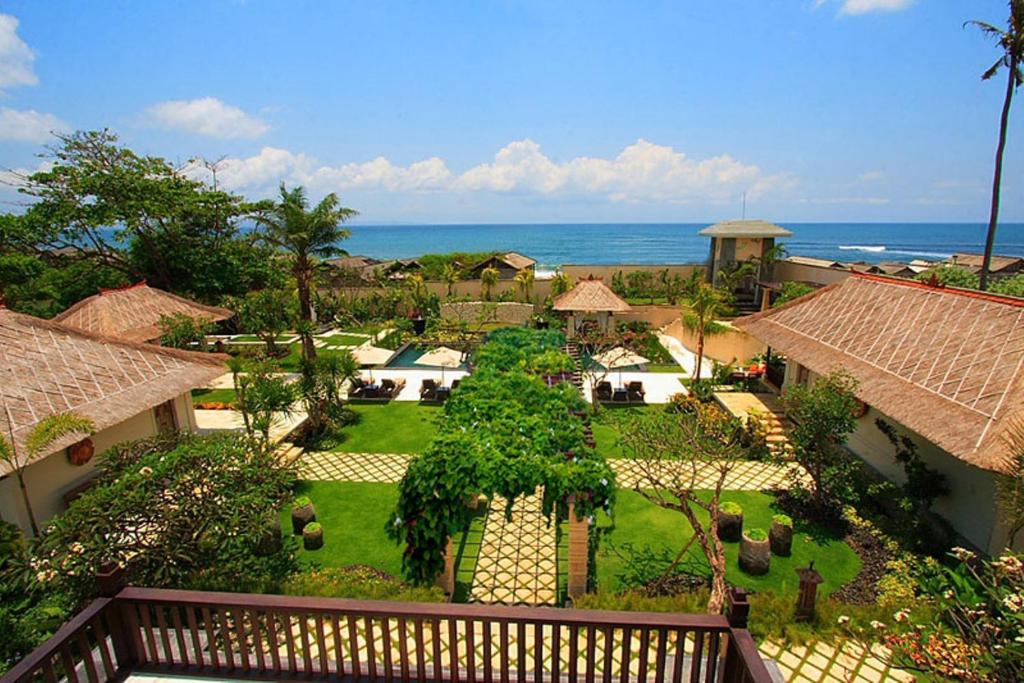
[752,228]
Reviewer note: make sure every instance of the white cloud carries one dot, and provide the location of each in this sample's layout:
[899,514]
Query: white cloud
[867,6]
[29,125]
[206,116]
[642,172]
[16,56]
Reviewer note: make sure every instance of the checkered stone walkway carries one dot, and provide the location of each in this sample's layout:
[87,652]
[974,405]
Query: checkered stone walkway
[745,476]
[386,468]
[518,562]
[847,662]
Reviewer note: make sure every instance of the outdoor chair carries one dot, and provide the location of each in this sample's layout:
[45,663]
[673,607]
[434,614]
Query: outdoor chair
[428,390]
[455,383]
[604,391]
[389,388]
[635,392]
[357,388]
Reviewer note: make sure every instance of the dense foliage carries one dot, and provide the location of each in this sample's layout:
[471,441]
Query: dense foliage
[504,432]
[791,290]
[958,276]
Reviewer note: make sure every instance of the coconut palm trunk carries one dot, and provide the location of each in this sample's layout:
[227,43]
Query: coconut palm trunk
[997,176]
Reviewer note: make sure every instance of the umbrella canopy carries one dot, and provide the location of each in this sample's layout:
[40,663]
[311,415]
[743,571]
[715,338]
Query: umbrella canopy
[371,355]
[619,357]
[442,357]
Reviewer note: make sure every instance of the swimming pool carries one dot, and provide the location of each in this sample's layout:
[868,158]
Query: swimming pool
[408,355]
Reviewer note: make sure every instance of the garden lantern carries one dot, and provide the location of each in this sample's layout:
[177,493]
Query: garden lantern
[809,580]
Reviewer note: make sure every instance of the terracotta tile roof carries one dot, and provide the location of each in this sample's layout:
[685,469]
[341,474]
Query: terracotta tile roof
[751,228]
[133,313]
[48,368]
[590,295]
[945,363]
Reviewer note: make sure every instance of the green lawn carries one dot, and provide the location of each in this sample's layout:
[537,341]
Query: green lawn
[394,427]
[290,363]
[354,517]
[254,338]
[606,427]
[665,367]
[343,340]
[641,523]
[213,395]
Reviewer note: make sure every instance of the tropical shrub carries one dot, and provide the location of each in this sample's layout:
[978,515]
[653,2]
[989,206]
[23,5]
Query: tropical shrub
[791,290]
[181,331]
[357,582]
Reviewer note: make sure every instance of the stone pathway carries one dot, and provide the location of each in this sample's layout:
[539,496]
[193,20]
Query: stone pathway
[389,468]
[518,562]
[744,405]
[849,662]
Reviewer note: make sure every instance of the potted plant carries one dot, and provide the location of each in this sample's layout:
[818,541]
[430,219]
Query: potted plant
[270,537]
[730,521]
[755,552]
[780,537]
[303,513]
[313,536]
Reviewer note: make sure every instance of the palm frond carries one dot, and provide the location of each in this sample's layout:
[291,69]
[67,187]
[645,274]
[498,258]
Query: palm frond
[994,69]
[54,428]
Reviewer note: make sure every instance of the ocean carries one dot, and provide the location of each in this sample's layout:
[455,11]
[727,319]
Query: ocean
[559,243]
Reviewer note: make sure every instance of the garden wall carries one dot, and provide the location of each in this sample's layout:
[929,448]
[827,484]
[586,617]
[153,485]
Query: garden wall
[472,311]
[657,315]
[606,271]
[731,346]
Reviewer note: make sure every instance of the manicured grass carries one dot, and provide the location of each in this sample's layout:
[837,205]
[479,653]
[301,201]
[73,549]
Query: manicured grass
[606,428]
[291,362]
[354,516]
[641,523]
[343,340]
[394,427]
[665,367]
[254,338]
[213,395]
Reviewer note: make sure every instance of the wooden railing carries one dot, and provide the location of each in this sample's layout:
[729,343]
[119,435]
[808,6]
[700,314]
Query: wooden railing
[280,637]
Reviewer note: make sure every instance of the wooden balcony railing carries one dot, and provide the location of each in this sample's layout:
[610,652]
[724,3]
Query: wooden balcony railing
[273,637]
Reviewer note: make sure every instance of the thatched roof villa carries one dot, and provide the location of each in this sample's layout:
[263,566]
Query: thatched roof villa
[944,365]
[507,264]
[590,299]
[133,313]
[129,390]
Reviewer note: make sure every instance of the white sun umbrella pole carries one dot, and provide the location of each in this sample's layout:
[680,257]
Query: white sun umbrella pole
[619,357]
[443,357]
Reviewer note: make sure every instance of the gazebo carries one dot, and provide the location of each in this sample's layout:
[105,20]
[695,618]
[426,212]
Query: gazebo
[133,313]
[590,299]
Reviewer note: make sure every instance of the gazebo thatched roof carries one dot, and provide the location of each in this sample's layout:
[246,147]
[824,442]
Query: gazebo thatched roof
[590,295]
[945,363]
[48,368]
[133,313]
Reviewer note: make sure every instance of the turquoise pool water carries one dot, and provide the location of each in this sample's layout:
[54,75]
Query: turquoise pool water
[409,355]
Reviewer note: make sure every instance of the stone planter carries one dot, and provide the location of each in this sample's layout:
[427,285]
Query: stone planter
[302,514]
[270,539]
[730,522]
[755,552]
[780,537]
[313,536]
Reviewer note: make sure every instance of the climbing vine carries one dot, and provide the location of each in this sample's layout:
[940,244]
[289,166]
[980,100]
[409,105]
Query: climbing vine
[504,432]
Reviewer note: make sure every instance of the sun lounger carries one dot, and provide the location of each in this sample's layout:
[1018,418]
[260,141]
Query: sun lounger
[390,388]
[603,391]
[428,390]
[635,392]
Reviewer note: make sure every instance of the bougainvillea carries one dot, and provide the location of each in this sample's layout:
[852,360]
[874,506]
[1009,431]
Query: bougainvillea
[505,432]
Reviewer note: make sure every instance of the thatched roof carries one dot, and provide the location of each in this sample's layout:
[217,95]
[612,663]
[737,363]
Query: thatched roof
[48,368]
[511,259]
[1008,264]
[945,363]
[816,262]
[750,228]
[133,313]
[590,295]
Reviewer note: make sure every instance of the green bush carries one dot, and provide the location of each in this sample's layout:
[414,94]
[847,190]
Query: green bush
[784,520]
[312,527]
[360,582]
[301,502]
[757,535]
[731,508]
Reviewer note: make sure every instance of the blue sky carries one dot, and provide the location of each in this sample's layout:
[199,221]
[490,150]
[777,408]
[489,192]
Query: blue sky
[818,110]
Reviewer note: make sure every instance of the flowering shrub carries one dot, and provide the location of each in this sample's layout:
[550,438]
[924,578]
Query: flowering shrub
[979,635]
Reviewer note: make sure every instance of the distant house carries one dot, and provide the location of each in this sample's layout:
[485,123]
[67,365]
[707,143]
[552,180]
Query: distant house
[1000,265]
[899,270]
[351,270]
[507,264]
[942,365]
[816,262]
[133,313]
[129,390]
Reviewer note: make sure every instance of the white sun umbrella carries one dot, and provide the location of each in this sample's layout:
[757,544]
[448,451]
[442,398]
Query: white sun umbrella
[619,357]
[442,357]
[371,355]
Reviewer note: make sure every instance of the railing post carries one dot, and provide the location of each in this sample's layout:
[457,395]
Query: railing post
[738,608]
[579,552]
[109,582]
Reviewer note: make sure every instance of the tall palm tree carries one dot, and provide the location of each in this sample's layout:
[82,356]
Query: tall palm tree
[1011,42]
[307,235]
[47,431]
[488,279]
[705,304]
[524,280]
[451,275]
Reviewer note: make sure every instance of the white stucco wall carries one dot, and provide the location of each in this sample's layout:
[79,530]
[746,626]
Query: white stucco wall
[48,479]
[970,507]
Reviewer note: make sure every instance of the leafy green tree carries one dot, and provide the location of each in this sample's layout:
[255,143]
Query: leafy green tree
[488,280]
[181,331]
[263,396]
[418,293]
[43,435]
[640,283]
[1010,286]
[1011,42]
[560,284]
[699,318]
[524,281]
[450,276]
[307,235]
[267,313]
[950,276]
[823,416]
[791,290]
